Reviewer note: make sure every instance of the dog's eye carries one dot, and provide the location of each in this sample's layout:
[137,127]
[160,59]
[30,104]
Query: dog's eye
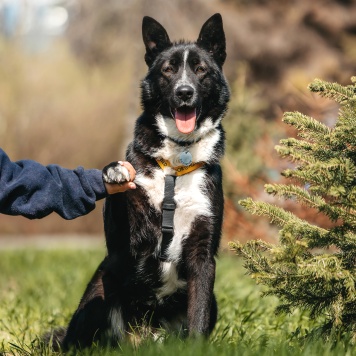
[167,69]
[200,70]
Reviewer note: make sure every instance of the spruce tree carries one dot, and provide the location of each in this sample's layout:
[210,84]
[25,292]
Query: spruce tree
[313,268]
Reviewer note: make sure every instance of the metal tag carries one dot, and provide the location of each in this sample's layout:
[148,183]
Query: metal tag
[186,158]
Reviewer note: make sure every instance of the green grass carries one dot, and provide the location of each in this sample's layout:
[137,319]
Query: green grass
[39,290]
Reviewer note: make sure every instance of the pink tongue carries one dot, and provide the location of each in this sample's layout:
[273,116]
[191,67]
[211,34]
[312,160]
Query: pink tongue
[185,120]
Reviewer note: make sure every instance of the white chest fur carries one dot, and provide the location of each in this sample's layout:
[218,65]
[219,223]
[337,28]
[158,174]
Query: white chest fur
[190,199]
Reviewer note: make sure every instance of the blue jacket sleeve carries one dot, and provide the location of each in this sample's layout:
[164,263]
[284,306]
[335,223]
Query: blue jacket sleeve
[30,189]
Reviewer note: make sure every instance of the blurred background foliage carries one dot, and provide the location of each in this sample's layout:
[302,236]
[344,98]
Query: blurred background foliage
[69,87]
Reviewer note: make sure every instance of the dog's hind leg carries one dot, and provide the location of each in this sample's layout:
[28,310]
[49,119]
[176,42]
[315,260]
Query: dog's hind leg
[54,338]
[94,318]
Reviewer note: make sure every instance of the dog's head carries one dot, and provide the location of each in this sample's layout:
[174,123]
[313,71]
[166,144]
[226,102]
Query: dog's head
[185,88]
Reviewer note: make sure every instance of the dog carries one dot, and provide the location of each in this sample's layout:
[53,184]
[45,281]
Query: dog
[146,281]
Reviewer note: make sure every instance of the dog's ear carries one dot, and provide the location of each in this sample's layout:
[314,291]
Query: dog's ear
[212,38]
[155,38]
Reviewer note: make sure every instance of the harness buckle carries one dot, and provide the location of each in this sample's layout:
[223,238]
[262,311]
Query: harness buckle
[168,206]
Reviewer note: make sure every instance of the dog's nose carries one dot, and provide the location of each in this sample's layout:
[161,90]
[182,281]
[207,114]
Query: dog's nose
[185,92]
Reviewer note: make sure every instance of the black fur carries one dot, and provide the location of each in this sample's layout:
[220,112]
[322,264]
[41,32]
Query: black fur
[123,291]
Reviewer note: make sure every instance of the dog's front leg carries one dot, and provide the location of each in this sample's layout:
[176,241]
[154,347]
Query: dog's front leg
[200,299]
[201,276]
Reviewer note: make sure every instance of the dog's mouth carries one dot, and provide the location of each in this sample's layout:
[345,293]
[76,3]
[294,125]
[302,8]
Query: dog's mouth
[185,118]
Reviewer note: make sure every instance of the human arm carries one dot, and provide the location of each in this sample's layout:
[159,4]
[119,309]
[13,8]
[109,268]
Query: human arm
[30,189]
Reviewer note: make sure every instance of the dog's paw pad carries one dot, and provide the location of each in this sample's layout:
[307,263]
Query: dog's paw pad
[116,173]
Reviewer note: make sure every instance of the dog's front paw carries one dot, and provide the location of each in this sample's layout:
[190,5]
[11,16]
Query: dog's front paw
[115,172]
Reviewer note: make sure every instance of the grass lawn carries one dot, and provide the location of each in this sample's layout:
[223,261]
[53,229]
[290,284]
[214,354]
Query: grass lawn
[39,290]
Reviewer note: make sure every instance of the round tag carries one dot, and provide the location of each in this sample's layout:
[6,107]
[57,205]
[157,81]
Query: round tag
[186,158]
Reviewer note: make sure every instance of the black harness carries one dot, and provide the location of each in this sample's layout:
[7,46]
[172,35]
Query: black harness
[169,205]
[168,209]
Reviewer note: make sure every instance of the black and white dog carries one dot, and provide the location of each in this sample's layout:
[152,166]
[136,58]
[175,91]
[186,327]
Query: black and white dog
[184,98]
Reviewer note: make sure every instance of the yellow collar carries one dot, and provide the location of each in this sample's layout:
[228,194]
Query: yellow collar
[180,170]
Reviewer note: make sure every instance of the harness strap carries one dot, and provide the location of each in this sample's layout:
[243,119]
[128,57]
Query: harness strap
[169,205]
[168,208]
[180,170]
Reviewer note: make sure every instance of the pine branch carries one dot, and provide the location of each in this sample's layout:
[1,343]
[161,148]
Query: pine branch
[295,154]
[309,287]
[313,201]
[307,126]
[345,128]
[256,263]
[335,91]
[300,144]
[282,218]
[332,177]
[308,153]
[293,191]
[277,215]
